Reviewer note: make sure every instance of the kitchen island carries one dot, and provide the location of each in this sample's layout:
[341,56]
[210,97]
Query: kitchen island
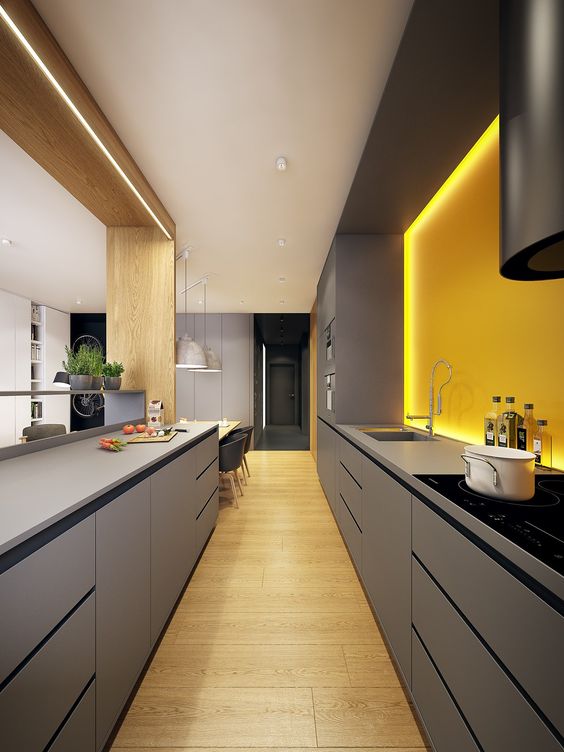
[474,621]
[95,548]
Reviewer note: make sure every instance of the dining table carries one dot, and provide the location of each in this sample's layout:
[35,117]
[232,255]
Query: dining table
[225,428]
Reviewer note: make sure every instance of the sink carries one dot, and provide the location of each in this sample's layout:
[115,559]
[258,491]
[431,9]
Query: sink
[397,436]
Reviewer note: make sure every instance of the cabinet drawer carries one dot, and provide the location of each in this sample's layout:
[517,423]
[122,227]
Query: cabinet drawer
[206,452]
[524,632]
[206,485]
[497,712]
[40,590]
[351,493]
[78,733]
[351,458]
[206,521]
[444,723]
[351,534]
[35,702]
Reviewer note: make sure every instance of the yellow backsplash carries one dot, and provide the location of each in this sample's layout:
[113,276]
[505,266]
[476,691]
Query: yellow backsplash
[501,336]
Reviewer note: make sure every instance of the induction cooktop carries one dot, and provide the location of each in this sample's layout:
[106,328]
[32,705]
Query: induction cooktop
[537,526]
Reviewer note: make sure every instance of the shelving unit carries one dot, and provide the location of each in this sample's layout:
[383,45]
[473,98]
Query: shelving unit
[37,353]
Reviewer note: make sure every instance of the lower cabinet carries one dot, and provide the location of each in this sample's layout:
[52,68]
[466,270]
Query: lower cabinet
[386,557]
[122,601]
[173,536]
[327,461]
[78,733]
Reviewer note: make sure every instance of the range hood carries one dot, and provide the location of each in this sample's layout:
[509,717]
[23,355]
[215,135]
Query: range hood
[532,139]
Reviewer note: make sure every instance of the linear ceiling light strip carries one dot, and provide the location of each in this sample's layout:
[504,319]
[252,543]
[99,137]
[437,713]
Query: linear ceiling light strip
[76,112]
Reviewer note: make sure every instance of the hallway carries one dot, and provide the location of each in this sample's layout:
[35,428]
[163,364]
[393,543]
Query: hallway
[273,644]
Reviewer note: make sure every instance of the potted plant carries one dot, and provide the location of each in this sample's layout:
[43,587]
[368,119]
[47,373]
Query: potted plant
[112,375]
[96,366]
[78,366]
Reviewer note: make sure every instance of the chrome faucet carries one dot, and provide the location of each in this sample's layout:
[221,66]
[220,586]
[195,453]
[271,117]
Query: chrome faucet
[432,411]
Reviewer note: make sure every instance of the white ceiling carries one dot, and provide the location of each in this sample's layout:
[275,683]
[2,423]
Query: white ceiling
[207,93]
[58,254]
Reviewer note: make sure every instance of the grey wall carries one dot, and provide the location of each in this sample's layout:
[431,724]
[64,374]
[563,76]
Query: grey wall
[212,396]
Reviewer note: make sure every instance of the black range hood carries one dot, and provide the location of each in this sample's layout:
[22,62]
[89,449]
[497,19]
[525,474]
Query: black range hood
[532,139]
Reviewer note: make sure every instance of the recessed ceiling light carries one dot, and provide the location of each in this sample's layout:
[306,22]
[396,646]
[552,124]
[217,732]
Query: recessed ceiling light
[78,301]
[281,164]
[241,302]
[281,279]
[282,302]
[200,302]
[6,242]
[281,242]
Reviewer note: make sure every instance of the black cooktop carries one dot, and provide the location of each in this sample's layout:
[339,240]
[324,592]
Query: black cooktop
[537,525]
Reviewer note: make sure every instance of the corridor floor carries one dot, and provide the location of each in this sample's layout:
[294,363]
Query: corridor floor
[273,644]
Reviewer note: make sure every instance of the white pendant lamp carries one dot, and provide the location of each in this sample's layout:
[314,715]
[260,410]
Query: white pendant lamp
[189,354]
[212,359]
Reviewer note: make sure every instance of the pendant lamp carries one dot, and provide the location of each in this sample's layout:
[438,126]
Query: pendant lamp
[212,359]
[189,354]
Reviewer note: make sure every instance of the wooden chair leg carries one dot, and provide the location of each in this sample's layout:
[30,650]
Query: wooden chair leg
[236,473]
[235,500]
[245,463]
[244,474]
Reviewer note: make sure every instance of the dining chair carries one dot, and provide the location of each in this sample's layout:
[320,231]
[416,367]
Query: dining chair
[43,431]
[230,460]
[248,431]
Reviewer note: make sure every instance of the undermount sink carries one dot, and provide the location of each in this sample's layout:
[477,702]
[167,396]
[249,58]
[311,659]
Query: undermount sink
[401,435]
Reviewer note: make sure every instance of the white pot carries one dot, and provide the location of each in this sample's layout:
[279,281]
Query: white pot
[500,473]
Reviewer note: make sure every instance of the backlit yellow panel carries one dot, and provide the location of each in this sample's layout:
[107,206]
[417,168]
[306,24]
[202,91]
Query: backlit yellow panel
[501,336]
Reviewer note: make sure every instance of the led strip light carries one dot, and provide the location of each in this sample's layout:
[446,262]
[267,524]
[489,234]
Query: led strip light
[76,112]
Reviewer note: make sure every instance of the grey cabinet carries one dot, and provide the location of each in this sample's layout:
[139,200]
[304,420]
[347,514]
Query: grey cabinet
[349,498]
[326,461]
[360,297]
[78,733]
[122,601]
[173,535]
[386,557]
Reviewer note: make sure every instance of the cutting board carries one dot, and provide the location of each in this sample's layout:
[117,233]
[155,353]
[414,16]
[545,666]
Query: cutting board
[152,439]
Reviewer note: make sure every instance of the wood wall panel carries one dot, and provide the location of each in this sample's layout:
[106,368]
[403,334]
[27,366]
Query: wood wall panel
[33,114]
[313,379]
[140,322]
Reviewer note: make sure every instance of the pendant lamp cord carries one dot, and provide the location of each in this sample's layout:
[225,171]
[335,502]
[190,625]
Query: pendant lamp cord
[186,292]
[205,314]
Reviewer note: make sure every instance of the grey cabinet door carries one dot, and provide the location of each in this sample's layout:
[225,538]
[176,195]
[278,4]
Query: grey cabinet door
[173,535]
[326,461]
[122,601]
[386,557]
[327,292]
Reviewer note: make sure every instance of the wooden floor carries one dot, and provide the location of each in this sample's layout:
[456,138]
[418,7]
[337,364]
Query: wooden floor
[273,644]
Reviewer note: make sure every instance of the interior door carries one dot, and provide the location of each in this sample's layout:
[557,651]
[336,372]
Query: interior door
[282,396]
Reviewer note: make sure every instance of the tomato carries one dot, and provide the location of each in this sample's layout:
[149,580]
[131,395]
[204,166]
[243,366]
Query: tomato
[140,427]
[128,428]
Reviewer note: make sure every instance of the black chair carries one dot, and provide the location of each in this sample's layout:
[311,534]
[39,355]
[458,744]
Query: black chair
[248,431]
[230,460]
[43,431]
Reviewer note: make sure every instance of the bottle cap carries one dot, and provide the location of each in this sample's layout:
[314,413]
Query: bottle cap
[529,405]
[496,399]
[510,399]
[542,422]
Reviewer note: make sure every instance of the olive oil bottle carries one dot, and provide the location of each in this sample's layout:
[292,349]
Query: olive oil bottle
[542,444]
[507,425]
[526,431]
[490,422]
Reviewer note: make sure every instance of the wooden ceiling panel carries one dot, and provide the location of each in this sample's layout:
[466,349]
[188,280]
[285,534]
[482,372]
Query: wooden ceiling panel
[34,115]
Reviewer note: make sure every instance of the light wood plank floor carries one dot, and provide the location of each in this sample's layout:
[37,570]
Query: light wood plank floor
[273,644]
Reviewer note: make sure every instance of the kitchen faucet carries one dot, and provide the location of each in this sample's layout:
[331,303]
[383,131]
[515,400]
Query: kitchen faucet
[432,412]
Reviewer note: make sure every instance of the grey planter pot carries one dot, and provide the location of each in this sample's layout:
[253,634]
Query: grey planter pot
[96,382]
[80,383]
[112,383]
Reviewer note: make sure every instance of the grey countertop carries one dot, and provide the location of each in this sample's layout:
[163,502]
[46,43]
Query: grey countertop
[410,458]
[42,488]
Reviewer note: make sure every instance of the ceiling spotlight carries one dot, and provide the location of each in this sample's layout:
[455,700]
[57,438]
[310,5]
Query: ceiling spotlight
[282,302]
[281,279]
[6,242]
[241,302]
[281,242]
[200,302]
[78,301]
[281,164]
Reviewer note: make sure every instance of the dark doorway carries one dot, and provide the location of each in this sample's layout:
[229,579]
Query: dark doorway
[281,381]
[282,395]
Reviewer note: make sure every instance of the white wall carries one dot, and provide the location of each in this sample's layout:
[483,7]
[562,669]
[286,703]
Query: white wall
[212,396]
[15,331]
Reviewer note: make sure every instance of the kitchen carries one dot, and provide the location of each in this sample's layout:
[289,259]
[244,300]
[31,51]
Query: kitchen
[417,634]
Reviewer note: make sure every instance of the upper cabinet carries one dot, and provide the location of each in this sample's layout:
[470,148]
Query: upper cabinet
[360,330]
